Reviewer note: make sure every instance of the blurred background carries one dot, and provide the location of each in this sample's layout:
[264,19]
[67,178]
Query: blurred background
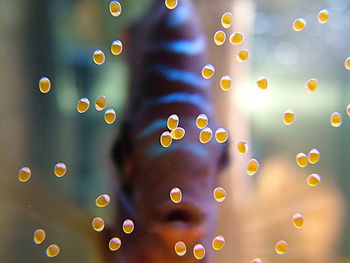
[57,38]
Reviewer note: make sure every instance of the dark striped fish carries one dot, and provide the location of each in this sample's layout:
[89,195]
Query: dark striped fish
[167,51]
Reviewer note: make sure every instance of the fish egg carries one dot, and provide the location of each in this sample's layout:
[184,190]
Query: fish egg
[311,85]
[115,8]
[219,37]
[83,105]
[166,139]
[39,236]
[219,194]
[171,4]
[100,103]
[314,156]
[242,55]
[313,179]
[218,242]
[24,174]
[336,119]
[262,83]
[348,110]
[116,47]
[52,250]
[299,24]
[102,200]
[236,38]
[173,121]
[60,169]
[298,220]
[257,260]
[99,57]
[98,224]
[225,82]
[178,133]
[176,195]
[128,226]
[347,63]
[301,160]
[221,135]
[208,71]
[180,248]
[205,135]
[252,167]
[226,19]
[281,247]
[202,121]
[242,147]
[323,16]
[44,85]
[110,116]
[114,244]
[199,251]
[288,117]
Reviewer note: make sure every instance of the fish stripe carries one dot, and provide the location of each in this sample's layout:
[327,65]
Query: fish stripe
[155,149]
[178,16]
[184,47]
[152,127]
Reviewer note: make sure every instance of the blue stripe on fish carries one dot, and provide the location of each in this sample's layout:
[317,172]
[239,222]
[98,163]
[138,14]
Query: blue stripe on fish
[178,16]
[155,149]
[184,47]
[152,127]
[182,76]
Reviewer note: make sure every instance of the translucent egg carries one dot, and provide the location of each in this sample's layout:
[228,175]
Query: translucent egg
[252,167]
[242,55]
[110,116]
[98,224]
[102,200]
[39,236]
[298,220]
[219,37]
[323,16]
[336,119]
[262,83]
[83,105]
[178,133]
[299,24]
[176,195]
[221,135]
[226,19]
[301,160]
[52,250]
[180,248]
[311,85]
[202,121]
[219,194]
[116,47]
[225,83]
[205,135]
[288,117]
[100,103]
[171,4]
[257,260]
[114,244]
[166,139]
[236,38]
[208,71]
[314,156]
[199,251]
[313,179]
[60,169]
[99,57]
[24,174]
[218,242]
[115,8]
[44,85]
[281,247]
[348,109]
[128,226]
[242,147]
[173,121]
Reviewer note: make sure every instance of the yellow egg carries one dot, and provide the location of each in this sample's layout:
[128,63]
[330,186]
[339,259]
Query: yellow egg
[171,4]
[199,251]
[281,247]
[288,117]
[180,248]
[219,194]
[44,85]
[39,236]
[301,160]
[52,250]
[262,83]
[347,63]
[336,119]
[298,220]
[98,224]
[116,47]
[323,16]
[178,133]
[218,242]
[219,37]
[314,156]
[221,135]
[115,8]
[205,135]
[226,19]
[252,167]
[176,195]
[313,179]
[83,105]
[299,24]
[242,147]
[102,200]
[100,103]
[202,121]
[242,55]
[311,85]
[99,57]
[348,110]
[24,174]
[166,139]
[128,226]
[173,121]
[110,116]
[114,244]
[225,83]
[236,38]
[60,169]
[208,71]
